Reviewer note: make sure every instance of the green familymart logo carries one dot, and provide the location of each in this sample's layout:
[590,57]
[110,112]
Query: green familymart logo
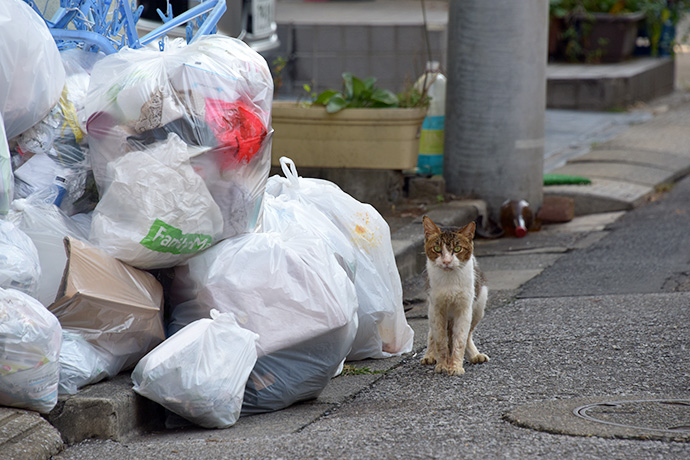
[166,238]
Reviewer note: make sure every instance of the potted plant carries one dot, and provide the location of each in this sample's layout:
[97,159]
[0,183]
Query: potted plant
[658,31]
[597,30]
[360,126]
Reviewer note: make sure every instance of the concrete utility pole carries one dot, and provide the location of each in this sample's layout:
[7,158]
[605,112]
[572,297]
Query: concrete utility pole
[496,97]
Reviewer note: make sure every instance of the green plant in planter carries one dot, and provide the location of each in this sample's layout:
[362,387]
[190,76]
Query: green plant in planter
[661,18]
[577,19]
[658,15]
[358,93]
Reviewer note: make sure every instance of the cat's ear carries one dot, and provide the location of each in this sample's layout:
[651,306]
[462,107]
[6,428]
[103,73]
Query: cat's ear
[430,228]
[468,230]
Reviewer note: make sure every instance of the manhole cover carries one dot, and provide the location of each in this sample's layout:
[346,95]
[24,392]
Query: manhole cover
[666,415]
[634,418]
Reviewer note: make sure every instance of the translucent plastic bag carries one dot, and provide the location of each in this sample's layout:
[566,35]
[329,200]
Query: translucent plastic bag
[214,95]
[30,338]
[284,215]
[288,288]
[20,268]
[57,146]
[383,329]
[156,212]
[200,372]
[47,226]
[6,175]
[81,364]
[32,75]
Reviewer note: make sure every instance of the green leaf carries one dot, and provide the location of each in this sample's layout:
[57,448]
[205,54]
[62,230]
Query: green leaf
[385,97]
[348,85]
[325,97]
[336,103]
[358,88]
[369,83]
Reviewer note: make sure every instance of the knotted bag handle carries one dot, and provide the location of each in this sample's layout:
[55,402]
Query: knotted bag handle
[289,170]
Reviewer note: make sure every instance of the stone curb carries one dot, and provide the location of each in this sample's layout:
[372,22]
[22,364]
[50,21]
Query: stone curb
[26,435]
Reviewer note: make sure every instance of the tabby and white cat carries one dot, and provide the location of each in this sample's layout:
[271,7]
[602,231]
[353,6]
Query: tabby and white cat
[457,297]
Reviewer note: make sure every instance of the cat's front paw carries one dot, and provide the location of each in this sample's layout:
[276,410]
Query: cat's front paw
[450,370]
[428,359]
[456,369]
[480,358]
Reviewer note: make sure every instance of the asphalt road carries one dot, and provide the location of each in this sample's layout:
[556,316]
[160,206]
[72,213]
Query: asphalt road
[607,321]
[646,251]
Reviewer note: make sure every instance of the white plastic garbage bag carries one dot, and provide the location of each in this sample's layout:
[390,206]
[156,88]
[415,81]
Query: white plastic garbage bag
[56,148]
[47,226]
[215,96]
[20,268]
[6,176]
[30,339]
[288,288]
[200,372]
[81,364]
[156,212]
[31,73]
[285,215]
[383,329]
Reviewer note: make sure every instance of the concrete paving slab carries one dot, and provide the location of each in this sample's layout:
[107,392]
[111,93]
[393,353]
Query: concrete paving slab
[586,223]
[667,132]
[571,133]
[661,160]
[552,238]
[517,262]
[621,172]
[502,280]
[602,195]
[25,435]
[272,424]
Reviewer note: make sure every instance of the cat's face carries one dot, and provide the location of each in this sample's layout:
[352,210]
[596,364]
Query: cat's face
[448,249]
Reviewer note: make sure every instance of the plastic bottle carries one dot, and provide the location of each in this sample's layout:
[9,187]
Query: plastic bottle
[516,217]
[59,186]
[430,160]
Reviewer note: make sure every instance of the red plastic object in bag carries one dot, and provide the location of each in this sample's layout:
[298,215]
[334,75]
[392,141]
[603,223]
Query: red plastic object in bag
[239,131]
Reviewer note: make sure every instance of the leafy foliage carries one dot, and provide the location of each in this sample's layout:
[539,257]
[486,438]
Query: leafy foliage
[657,13]
[363,93]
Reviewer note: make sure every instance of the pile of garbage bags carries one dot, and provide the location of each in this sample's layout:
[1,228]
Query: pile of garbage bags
[140,231]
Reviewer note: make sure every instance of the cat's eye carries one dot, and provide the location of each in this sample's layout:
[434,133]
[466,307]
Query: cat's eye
[437,248]
[458,249]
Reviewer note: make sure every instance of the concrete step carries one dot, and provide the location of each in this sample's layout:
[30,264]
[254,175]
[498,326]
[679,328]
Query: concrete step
[608,86]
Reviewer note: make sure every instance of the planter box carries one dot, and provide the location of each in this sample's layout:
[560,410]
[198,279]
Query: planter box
[613,34]
[351,138]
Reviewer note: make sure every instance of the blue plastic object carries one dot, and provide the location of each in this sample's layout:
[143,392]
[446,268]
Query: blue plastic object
[110,25]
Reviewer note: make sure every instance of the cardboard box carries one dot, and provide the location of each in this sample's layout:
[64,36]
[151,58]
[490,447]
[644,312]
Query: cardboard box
[114,306]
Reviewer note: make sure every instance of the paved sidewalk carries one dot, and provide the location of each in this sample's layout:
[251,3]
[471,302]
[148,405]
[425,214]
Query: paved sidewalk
[627,170]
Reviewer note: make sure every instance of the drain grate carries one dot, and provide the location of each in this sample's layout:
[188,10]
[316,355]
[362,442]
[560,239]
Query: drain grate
[663,415]
[662,418]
